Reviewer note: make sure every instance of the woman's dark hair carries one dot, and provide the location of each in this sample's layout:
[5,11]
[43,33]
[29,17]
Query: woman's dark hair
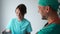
[22,8]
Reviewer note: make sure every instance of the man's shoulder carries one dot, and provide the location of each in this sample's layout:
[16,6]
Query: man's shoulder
[45,30]
[50,29]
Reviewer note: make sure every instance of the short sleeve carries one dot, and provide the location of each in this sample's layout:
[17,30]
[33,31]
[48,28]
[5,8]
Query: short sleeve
[29,28]
[9,25]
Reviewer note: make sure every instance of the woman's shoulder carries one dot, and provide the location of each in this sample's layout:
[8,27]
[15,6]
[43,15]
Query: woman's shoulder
[26,21]
[13,19]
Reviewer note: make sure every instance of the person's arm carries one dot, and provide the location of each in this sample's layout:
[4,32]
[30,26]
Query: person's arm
[29,29]
[8,27]
[8,30]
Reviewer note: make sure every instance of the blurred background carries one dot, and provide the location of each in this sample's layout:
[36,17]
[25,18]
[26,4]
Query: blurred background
[7,12]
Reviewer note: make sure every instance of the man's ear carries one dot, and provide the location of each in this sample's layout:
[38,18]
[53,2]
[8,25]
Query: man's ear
[47,9]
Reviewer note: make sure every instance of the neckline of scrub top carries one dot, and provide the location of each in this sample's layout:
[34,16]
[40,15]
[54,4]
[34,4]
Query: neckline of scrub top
[56,19]
[19,22]
[53,24]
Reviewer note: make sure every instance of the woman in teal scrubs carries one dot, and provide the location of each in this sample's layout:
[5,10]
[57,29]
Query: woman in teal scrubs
[19,25]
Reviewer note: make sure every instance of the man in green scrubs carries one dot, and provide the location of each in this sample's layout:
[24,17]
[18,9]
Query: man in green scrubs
[48,9]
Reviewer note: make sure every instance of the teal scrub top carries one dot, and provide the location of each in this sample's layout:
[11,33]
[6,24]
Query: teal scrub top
[21,27]
[50,29]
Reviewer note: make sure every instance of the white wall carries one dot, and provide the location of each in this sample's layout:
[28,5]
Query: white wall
[0,16]
[8,12]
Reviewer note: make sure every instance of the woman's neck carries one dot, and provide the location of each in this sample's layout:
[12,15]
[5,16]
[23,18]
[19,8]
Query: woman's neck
[19,19]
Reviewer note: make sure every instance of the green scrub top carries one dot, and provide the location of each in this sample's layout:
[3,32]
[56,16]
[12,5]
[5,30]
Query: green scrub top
[21,27]
[50,29]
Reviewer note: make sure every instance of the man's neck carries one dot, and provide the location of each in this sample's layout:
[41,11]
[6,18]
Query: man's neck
[53,18]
